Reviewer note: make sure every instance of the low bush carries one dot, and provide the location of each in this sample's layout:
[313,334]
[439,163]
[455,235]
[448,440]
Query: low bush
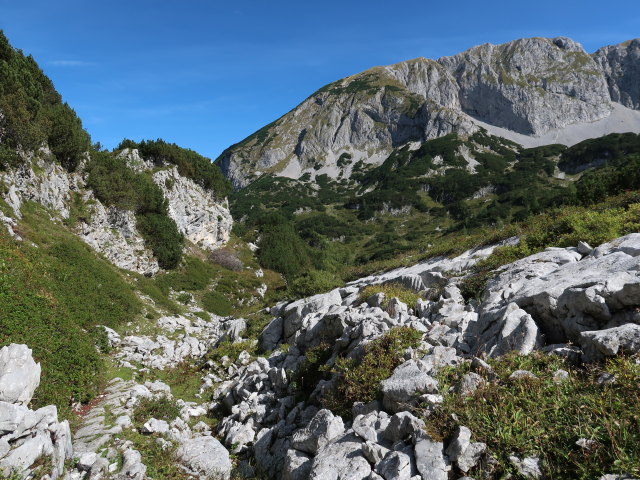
[216,303]
[227,259]
[161,235]
[313,282]
[312,369]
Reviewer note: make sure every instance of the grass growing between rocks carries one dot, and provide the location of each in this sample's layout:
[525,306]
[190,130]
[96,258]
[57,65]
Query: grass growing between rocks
[161,408]
[359,380]
[545,418]
[161,462]
[390,290]
[232,350]
[184,380]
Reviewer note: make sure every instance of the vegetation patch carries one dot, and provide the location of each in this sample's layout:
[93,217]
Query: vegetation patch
[160,408]
[359,380]
[546,418]
[391,290]
[34,114]
[232,350]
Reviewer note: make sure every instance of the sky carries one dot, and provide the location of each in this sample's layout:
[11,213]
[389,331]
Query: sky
[206,74]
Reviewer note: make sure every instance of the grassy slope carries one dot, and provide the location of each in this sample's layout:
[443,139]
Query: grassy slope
[54,292]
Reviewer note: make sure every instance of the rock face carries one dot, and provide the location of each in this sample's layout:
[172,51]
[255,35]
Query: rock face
[621,67]
[530,85]
[200,217]
[564,296]
[113,232]
[27,436]
[39,180]
[526,88]
[361,117]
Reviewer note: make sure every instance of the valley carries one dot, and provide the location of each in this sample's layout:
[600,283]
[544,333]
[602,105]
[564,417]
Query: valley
[424,271]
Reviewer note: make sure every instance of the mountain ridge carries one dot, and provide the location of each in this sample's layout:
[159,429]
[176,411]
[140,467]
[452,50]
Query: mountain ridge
[529,87]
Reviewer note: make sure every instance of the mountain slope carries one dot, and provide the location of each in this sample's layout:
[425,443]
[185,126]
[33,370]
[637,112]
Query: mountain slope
[528,87]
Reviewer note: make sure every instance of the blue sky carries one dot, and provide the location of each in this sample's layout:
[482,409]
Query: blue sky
[205,74]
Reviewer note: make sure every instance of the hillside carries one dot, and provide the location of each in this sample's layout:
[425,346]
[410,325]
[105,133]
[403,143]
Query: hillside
[535,91]
[458,307]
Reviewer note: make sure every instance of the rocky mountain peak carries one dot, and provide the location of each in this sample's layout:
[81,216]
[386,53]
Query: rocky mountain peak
[530,90]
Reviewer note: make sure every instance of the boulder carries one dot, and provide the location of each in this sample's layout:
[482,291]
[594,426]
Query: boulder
[407,382]
[463,452]
[132,466]
[155,426]
[469,383]
[609,342]
[404,425]
[321,430]
[528,467]
[395,466]
[297,465]
[341,459]
[205,455]
[19,374]
[430,459]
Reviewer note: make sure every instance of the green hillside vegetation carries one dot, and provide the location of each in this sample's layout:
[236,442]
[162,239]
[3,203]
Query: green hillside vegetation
[53,294]
[544,417]
[190,164]
[421,203]
[33,112]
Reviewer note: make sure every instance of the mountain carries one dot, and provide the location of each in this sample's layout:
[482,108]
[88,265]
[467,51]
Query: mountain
[535,91]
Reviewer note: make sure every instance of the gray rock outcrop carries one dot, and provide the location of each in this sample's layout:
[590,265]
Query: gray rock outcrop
[530,85]
[621,67]
[199,215]
[19,374]
[27,436]
[207,456]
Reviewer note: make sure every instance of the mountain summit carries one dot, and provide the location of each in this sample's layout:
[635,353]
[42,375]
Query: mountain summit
[534,91]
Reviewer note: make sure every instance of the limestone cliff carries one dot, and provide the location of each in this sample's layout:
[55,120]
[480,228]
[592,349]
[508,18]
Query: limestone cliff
[621,67]
[112,231]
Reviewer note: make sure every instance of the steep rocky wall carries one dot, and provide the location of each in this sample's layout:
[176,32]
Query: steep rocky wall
[621,67]
[28,436]
[200,217]
[531,85]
